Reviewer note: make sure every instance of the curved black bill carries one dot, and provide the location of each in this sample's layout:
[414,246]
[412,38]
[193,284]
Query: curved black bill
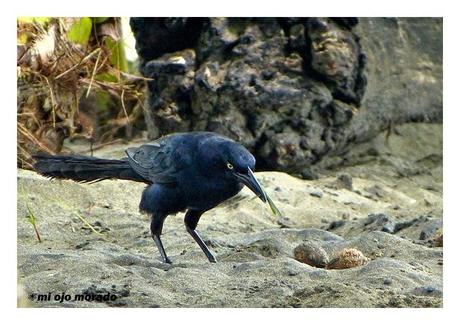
[250,181]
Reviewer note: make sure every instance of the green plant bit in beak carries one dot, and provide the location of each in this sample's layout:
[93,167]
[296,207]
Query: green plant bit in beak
[273,207]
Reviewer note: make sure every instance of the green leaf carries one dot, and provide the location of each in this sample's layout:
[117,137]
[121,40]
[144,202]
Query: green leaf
[22,38]
[42,20]
[33,221]
[30,20]
[105,76]
[81,31]
[30,216]
[100,20]
[118,57]
[273,207]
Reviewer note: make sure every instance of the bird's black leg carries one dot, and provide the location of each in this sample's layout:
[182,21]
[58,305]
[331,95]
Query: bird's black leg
[156,226]
[191,221]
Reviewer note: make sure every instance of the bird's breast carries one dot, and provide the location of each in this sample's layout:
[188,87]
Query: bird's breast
[206,194]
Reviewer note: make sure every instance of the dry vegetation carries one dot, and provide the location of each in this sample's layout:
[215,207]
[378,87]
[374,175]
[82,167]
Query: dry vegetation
[73,80]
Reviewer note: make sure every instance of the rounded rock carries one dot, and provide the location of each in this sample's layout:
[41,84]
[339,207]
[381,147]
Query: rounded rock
[347,258]
[311,254]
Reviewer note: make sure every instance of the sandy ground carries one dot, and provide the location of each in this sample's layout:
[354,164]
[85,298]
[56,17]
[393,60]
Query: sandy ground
[386,202]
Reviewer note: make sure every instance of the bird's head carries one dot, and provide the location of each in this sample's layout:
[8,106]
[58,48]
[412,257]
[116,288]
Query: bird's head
[231,161]
[236,162]
[240,164]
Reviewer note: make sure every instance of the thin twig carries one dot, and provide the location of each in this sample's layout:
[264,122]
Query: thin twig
[24,162]
[32,138]
[123,104]
[31,115]
[86,58]
[99,146]
[53,102]
[88,224]
[93,74]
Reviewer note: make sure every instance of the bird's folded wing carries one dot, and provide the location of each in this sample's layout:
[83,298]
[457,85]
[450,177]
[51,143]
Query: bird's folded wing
[155,161]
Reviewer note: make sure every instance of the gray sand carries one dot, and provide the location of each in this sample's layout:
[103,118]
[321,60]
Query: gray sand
[387,203]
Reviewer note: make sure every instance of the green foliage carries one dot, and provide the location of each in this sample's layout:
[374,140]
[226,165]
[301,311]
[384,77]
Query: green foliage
[100,20]
[24,36]
[38,20]
[81,31]
[103,99]
[272,205]
[30,216]
[33,221]
[118,58]
[105,76]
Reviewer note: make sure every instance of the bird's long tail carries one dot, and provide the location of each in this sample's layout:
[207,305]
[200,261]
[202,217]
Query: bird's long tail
[84,169]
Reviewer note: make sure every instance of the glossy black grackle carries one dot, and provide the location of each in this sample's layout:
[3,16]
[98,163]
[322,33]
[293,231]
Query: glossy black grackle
[192,171]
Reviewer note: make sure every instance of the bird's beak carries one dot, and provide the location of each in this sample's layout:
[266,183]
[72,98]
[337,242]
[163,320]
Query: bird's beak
[250,181]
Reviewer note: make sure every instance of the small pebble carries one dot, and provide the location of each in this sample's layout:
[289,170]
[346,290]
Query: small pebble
[347,258]
[427,291]
[335,224]
[317,194]
[308,175]
[346,181]
[82,245]
[292,273]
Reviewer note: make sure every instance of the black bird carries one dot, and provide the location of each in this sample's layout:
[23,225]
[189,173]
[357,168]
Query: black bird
[192,171]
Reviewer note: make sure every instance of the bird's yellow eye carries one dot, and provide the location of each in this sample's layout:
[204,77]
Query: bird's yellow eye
[229,166]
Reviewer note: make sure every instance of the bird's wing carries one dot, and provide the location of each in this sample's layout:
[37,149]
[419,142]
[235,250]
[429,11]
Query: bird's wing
[156,161]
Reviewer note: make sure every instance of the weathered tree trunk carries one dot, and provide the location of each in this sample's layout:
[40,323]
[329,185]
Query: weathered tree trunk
[293,90]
